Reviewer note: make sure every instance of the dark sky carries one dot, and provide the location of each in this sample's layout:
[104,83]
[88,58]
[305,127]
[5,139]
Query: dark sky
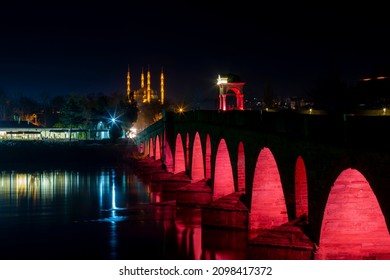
[61,47]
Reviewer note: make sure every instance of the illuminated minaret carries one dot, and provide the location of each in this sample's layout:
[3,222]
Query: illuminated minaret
[128,84]
[148,85]
[162,85]
[142,78]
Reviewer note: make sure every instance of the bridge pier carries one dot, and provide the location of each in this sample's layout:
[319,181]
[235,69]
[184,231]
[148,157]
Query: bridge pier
[228,211]
[194,194]
[289,235]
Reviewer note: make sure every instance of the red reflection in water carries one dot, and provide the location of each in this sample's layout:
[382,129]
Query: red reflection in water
[198,243]
[188,234]
[353,226]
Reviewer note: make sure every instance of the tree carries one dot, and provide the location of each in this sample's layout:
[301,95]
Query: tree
[73,112]
[115,131]
[4,105]
[129,112]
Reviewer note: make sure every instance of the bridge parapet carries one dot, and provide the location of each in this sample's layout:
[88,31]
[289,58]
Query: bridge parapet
[343,129]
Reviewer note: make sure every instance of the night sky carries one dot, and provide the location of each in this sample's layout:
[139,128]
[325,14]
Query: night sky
[59,48]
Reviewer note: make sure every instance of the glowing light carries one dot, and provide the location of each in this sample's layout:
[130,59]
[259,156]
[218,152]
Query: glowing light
[132,132]
[221,80]
[180,109]
[114,119]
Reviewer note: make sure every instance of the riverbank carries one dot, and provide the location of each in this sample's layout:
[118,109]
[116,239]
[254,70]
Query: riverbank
[42,153]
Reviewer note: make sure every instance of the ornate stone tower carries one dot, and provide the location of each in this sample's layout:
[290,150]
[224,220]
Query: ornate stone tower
[230,85]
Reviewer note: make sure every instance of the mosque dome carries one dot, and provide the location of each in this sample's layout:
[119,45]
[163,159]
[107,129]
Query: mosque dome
[141,95]
[145,94]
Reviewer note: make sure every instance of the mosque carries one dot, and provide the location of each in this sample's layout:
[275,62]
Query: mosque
[145,94]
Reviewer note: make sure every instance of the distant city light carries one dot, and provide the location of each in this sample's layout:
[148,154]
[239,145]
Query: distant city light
[180,109]
[375,78]
[114,119]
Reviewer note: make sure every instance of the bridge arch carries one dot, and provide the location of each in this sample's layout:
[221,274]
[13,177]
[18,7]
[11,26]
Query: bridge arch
[197,165]
[208,157]
[187,150]
[167,157]
[268,205]
[179,155]
[223,174]
[151,147]
[301,189]
[158,149]
[353,225]
[241,168]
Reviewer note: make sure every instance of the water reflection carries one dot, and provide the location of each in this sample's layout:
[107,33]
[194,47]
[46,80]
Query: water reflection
[104,213]
[188,233]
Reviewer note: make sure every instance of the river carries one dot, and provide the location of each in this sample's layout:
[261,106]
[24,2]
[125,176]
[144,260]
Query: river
[106,213]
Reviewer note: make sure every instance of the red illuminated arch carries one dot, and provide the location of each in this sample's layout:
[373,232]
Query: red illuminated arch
[151,148]
[268,206]
[167,157]
[197,169]
[353,226]
[241,168]
[179,155]
[208,157]
[301,197]
[223,175]
[187,149]
[141,148]
[146,148]
[158,145]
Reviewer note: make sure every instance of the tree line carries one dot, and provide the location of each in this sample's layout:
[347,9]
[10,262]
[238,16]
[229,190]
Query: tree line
[76,111]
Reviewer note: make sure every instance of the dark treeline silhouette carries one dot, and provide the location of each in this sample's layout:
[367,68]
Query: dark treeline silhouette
[93,111]
[76,111]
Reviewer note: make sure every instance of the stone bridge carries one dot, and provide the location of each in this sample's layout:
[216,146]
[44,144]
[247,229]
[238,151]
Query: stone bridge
[312,181]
